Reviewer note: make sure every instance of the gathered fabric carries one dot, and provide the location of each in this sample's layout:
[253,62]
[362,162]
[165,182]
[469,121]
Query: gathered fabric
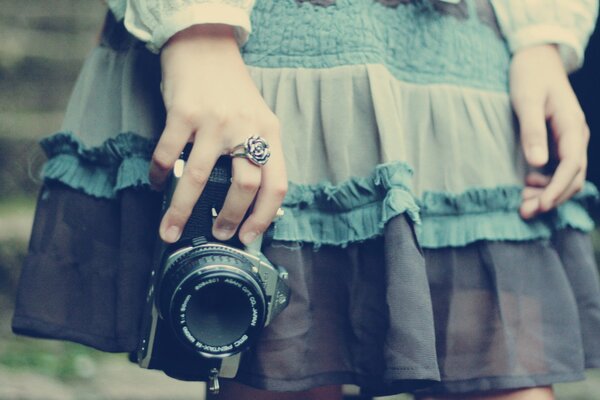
[410,266]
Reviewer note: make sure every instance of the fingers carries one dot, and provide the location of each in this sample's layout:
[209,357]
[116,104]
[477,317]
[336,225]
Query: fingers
[266,186]
[571,133]
[269,198]
[269,181]
[532,122]
[195,175]
[212,100]
[575,187]
[541,92]
[176,134]
[246,179]
[561,181]
[530,207]
[531,194]
[546,192]
[537,180]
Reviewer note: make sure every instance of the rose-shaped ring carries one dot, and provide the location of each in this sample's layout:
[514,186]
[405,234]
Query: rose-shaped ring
[255,149]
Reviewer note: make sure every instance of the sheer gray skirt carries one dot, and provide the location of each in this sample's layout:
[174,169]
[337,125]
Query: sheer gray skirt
[505,314]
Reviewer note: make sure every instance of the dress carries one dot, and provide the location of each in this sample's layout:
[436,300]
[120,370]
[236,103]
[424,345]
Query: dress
[408,260]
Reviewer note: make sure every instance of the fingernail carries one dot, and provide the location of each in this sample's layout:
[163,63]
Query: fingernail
[529,207]
[537,154]
[172,234]
[223,232]
[249,237]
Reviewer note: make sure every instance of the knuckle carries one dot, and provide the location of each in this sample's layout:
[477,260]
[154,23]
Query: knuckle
[162,160]
[574,119]
[586,133]
[579,116]
[178,213]
[279,191]
[186,114]
[523,100]
[245,114]
[197,176]
[219,116]
[259,225]
[247,184]
[572,165]
[272,123]
[576,165]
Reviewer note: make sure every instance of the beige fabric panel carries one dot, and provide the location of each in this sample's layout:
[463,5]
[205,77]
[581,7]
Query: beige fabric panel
[337,123]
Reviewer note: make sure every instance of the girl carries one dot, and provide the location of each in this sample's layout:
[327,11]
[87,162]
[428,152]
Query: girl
[426,236]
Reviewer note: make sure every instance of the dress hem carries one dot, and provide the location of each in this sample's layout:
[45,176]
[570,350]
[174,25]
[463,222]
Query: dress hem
[393,385]
[478,385]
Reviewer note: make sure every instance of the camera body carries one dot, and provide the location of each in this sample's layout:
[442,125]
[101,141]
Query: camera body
[207,300]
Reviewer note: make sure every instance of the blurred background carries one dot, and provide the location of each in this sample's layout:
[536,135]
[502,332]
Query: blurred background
[42,47]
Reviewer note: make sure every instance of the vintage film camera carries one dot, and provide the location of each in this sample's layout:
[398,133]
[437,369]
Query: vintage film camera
[207,300]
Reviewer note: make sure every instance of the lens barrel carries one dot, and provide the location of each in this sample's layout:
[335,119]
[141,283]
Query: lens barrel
[213,302]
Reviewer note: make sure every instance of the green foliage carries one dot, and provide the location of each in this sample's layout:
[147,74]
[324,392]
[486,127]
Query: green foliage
[60,360]
[20,163]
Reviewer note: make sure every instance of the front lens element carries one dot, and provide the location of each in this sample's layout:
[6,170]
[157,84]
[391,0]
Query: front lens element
[219,314]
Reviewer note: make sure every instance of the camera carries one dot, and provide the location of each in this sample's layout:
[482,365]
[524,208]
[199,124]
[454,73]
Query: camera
[208,300]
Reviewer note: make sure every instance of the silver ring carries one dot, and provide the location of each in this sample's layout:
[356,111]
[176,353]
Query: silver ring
[255,149]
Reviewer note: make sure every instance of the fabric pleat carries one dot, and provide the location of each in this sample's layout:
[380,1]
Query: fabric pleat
[408,259]
[357,314]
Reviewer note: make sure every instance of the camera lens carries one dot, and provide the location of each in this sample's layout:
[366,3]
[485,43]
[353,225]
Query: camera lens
[213,302]
[218,314]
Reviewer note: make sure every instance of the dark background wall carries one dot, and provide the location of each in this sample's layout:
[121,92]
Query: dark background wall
[587,85]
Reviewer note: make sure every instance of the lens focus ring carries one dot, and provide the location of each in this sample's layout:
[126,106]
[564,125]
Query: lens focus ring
[213,302]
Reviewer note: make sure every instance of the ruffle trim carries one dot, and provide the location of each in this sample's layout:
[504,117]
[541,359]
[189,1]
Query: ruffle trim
[119,163]
[493,214]
[353,211]
[326,214]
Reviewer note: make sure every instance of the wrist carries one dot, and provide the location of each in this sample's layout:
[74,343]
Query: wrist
[205,37]
[539,50]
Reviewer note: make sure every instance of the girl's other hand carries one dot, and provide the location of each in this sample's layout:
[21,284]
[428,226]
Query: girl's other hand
[212,102]
[541,93]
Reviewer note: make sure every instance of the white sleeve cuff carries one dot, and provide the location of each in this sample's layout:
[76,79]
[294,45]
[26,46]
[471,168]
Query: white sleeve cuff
[566,23]
[184,17]
[569,45]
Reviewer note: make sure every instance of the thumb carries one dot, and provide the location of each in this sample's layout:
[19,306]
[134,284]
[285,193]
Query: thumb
[534,135]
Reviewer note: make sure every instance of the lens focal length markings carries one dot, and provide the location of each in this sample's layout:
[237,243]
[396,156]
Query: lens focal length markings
[218,312]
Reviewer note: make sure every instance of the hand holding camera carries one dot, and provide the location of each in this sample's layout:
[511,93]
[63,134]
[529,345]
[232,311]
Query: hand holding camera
[213,103]
[208,300]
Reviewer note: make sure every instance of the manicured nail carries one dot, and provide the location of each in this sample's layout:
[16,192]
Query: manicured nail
[223,232]
[172,234]
[249,237]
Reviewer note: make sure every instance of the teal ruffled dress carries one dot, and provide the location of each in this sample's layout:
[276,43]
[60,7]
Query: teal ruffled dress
[408,259]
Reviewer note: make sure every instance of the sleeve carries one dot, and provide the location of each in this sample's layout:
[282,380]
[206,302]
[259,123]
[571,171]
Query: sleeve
[155,21]
[117,7]
[566,23]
